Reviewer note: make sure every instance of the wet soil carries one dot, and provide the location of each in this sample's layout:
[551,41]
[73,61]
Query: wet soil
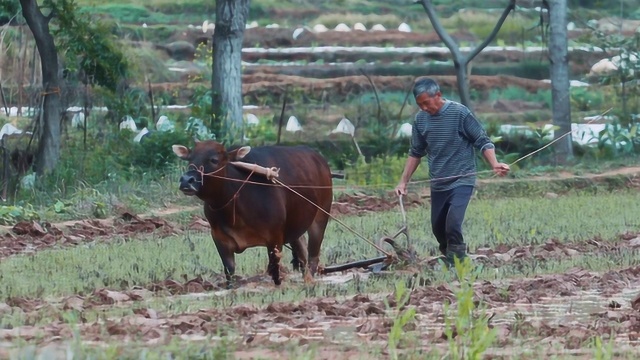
[518,309]
[565,310]
[31,236]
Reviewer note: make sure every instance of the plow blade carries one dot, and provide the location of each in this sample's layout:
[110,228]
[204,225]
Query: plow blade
[353,265]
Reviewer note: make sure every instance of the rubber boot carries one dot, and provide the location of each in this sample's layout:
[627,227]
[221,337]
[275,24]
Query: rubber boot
[443,249]
[455,251]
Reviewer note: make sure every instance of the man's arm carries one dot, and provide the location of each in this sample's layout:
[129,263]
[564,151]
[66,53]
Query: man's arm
[490,155]
[409,168]
[499,168]
[479,138]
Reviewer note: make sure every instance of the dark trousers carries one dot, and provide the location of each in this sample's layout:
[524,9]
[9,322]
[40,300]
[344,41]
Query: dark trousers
[447,214]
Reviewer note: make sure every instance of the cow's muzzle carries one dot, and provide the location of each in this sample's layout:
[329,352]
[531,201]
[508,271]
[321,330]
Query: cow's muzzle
[190,182]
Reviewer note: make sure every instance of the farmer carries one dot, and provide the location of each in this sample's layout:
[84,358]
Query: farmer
[447,132]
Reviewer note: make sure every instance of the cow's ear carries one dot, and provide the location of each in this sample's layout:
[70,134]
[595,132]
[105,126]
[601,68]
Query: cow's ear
[243,151]
[181,151]
[238,154]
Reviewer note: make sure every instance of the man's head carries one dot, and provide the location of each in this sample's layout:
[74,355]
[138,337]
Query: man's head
[428,96]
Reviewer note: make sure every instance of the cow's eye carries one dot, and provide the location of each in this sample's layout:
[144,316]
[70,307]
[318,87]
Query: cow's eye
[214,160]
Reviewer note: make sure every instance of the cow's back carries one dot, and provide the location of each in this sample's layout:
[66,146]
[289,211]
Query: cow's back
[297,164]
[304,171]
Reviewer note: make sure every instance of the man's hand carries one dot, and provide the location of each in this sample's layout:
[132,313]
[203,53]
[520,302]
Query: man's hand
[501,169]
[401,189]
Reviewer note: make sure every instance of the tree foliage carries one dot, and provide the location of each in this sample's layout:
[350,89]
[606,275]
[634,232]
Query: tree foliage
[86,43]
[88,46]
[8,11]
[624,52]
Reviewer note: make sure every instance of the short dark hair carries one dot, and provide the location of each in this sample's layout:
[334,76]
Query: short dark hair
[425,85]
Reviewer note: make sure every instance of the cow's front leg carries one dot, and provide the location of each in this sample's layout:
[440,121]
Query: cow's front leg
[275,253]
[228,261]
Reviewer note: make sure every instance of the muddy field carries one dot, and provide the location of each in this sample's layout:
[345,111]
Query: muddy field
[562,310]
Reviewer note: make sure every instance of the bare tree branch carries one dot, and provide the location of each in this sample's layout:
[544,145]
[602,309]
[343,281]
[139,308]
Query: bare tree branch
[375,92]
[494,32]
[459,61]
[442,33]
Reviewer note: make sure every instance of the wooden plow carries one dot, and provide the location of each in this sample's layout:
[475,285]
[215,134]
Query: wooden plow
[400,255]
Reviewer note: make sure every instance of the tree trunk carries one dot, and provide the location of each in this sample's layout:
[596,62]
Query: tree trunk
[461,62]
[462,80]
[226,81]
[560,86]
[48,152]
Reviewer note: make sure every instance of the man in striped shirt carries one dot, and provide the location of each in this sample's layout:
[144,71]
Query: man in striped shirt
[448,134]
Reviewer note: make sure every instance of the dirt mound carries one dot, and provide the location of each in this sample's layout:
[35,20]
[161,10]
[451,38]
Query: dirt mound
[25,237]
[262,84]
[265,81]
[552,249]
[358,204]
[33,236]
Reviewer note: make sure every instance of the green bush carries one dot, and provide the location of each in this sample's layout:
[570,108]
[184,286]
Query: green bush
[381,171]
[133,102]
[9,215]
[512,31]
[138,14]
[154,151]
[123,13]
[197,7]
[585,99]
[148,63]
[101,160]
[115,157]
[518,93]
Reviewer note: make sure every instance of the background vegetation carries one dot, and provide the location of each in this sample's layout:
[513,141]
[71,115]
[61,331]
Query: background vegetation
[121,172]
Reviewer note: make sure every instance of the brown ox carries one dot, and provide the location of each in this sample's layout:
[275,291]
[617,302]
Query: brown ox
[243,214]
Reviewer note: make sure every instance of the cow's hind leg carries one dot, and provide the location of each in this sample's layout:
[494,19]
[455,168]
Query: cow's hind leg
[299,252]
[316,235]
[274,263]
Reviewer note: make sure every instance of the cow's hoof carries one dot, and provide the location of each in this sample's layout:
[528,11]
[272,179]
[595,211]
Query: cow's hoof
[308,278]
[232,283]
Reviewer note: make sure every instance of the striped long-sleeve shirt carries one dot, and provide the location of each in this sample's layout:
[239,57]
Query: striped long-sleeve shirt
[449,138]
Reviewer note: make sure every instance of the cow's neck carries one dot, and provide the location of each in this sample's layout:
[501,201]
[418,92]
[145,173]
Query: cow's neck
[225,190]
